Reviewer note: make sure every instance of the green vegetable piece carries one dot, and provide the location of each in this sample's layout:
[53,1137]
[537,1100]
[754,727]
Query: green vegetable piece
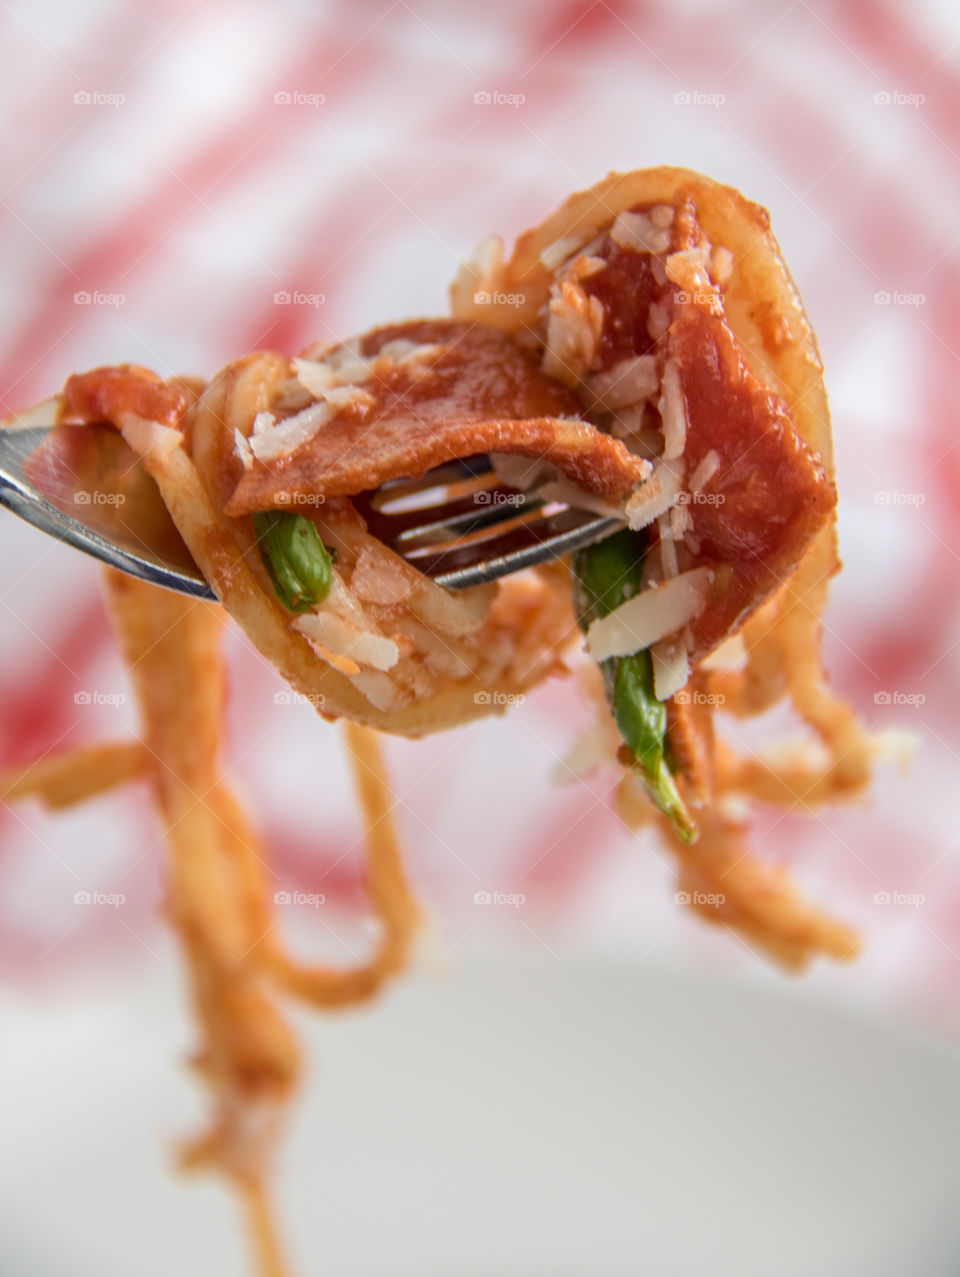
[295,557]
[606,575]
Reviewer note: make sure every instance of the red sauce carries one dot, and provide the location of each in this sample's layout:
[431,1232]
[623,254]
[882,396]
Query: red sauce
[482,393]
[626,287]
[769,495]
[106,394]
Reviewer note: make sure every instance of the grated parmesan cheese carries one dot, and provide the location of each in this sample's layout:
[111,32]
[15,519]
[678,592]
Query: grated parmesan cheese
[343,638]
[650,616]
[639,232]
[672,407]
[271,440]
[671,668]
[654,496]
[705,471]
[627,382]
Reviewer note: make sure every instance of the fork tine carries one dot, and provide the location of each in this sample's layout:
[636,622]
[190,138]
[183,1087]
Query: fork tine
[461,521]
[460,525]
[457,540]
[460,476]
[462,564]
[443,536]
[484,505]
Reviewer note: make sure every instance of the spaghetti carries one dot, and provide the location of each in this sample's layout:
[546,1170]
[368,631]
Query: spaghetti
[643,352]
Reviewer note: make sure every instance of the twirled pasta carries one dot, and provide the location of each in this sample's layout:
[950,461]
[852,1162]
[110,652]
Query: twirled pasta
[636,350]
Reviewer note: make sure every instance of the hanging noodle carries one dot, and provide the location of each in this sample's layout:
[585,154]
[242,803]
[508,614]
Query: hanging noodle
[570,377]
[217,881]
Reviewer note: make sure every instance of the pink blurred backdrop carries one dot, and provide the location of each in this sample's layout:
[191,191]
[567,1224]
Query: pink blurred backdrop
[182,164]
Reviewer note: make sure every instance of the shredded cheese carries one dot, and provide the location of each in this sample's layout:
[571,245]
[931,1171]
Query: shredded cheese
[655,495]
[650,616]
[271,440]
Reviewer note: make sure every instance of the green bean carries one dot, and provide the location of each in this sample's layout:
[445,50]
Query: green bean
[606,575]
[295,557]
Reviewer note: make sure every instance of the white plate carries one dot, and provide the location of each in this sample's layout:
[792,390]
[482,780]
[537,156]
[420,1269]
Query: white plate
[509,1118]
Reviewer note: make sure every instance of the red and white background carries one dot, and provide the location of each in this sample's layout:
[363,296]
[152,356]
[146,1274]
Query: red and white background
[184,182]
[173,173]
[181,183]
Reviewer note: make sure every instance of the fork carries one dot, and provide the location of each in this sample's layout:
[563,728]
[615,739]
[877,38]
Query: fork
[458,523]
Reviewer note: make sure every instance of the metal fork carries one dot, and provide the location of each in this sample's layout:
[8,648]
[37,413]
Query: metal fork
[458,523]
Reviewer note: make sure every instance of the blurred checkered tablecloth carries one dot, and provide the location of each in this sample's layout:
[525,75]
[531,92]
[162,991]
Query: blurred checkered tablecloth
[172,171]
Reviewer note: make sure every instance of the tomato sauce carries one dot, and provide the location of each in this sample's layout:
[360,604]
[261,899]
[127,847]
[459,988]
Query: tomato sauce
[768,495]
